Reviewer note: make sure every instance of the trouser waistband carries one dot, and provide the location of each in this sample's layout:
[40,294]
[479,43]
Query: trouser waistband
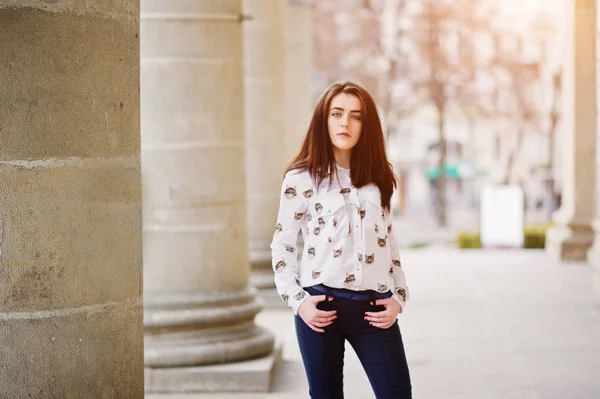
[368,295]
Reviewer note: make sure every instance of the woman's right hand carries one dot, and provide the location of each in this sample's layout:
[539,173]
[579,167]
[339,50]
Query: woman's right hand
[313,317]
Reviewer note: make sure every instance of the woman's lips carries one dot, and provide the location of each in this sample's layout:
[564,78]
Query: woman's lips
[344,135]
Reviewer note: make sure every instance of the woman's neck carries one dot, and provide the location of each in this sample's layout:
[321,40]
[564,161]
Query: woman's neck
[342,158]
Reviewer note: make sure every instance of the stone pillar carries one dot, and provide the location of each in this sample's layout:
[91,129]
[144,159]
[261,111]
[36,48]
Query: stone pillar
[299,103]
[70,190]
[298,73]
[198,307]
[264,92]
[594,252]
[573,235]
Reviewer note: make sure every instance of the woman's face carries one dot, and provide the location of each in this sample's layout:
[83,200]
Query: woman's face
[344,121]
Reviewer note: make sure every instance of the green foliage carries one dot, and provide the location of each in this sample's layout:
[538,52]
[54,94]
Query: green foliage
[418,245]
[535,237]
[468,241]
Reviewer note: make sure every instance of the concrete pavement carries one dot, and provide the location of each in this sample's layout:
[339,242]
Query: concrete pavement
[480,325]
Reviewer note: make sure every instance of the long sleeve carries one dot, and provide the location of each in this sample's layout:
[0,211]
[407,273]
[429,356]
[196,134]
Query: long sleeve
[284,252]
[400,292]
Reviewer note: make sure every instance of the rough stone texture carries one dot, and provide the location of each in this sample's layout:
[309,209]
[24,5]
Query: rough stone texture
[70,215]
[198,309]
[573,236]
[264,94]
[480,325]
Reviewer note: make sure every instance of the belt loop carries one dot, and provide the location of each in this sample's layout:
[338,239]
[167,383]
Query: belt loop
[326,293]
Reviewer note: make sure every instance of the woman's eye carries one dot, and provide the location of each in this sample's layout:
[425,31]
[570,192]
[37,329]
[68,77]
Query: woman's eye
[336,114]
[356,117]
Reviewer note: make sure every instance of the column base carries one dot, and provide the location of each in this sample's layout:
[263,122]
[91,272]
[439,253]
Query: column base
[247,376]
[262,277]
[593,256]
[263,280]
[569,242]
[195,329]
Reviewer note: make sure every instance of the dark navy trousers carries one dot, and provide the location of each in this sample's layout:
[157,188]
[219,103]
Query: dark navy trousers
[381,351]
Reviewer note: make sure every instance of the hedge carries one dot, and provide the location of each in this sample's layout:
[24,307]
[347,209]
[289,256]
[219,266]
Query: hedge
[535,237]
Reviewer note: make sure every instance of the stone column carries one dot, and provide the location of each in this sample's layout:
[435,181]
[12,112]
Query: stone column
[264,92]
[573,235]
[70,190]
[298,73]
[594,252]
[299,104]
[198,307]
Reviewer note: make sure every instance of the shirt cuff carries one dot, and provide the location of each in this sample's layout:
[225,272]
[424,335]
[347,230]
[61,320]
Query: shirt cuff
[400,301]
[297,299]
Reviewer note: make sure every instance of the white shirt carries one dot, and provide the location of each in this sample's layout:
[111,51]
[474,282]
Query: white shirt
[348,239]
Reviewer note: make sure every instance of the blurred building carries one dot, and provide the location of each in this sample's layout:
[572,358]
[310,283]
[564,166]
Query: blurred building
[351,43]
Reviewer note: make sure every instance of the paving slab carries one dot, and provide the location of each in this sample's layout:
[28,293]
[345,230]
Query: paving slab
[481,324]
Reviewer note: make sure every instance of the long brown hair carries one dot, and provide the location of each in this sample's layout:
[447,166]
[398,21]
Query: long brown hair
[369,163]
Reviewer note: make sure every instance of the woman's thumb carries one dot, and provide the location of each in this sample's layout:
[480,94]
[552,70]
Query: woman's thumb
[319,298]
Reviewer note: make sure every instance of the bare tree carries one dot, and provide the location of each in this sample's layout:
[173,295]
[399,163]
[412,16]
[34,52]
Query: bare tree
[523,78]
[360,41]
[445,67]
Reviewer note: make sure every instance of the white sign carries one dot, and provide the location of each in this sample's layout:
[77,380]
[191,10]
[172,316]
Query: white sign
[502,216]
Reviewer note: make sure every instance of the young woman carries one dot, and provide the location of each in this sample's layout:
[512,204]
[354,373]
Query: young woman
[349,284]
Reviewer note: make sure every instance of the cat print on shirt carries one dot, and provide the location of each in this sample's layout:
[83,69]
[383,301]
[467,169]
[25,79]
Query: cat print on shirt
[290,192]
[401,292]
[345,192]
[319,208]
[362,213]
[337,252]
[350,279]
[279,266]
[300,295]
[323,224]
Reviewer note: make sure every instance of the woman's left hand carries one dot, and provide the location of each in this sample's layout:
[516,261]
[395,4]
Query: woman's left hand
[386,318]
